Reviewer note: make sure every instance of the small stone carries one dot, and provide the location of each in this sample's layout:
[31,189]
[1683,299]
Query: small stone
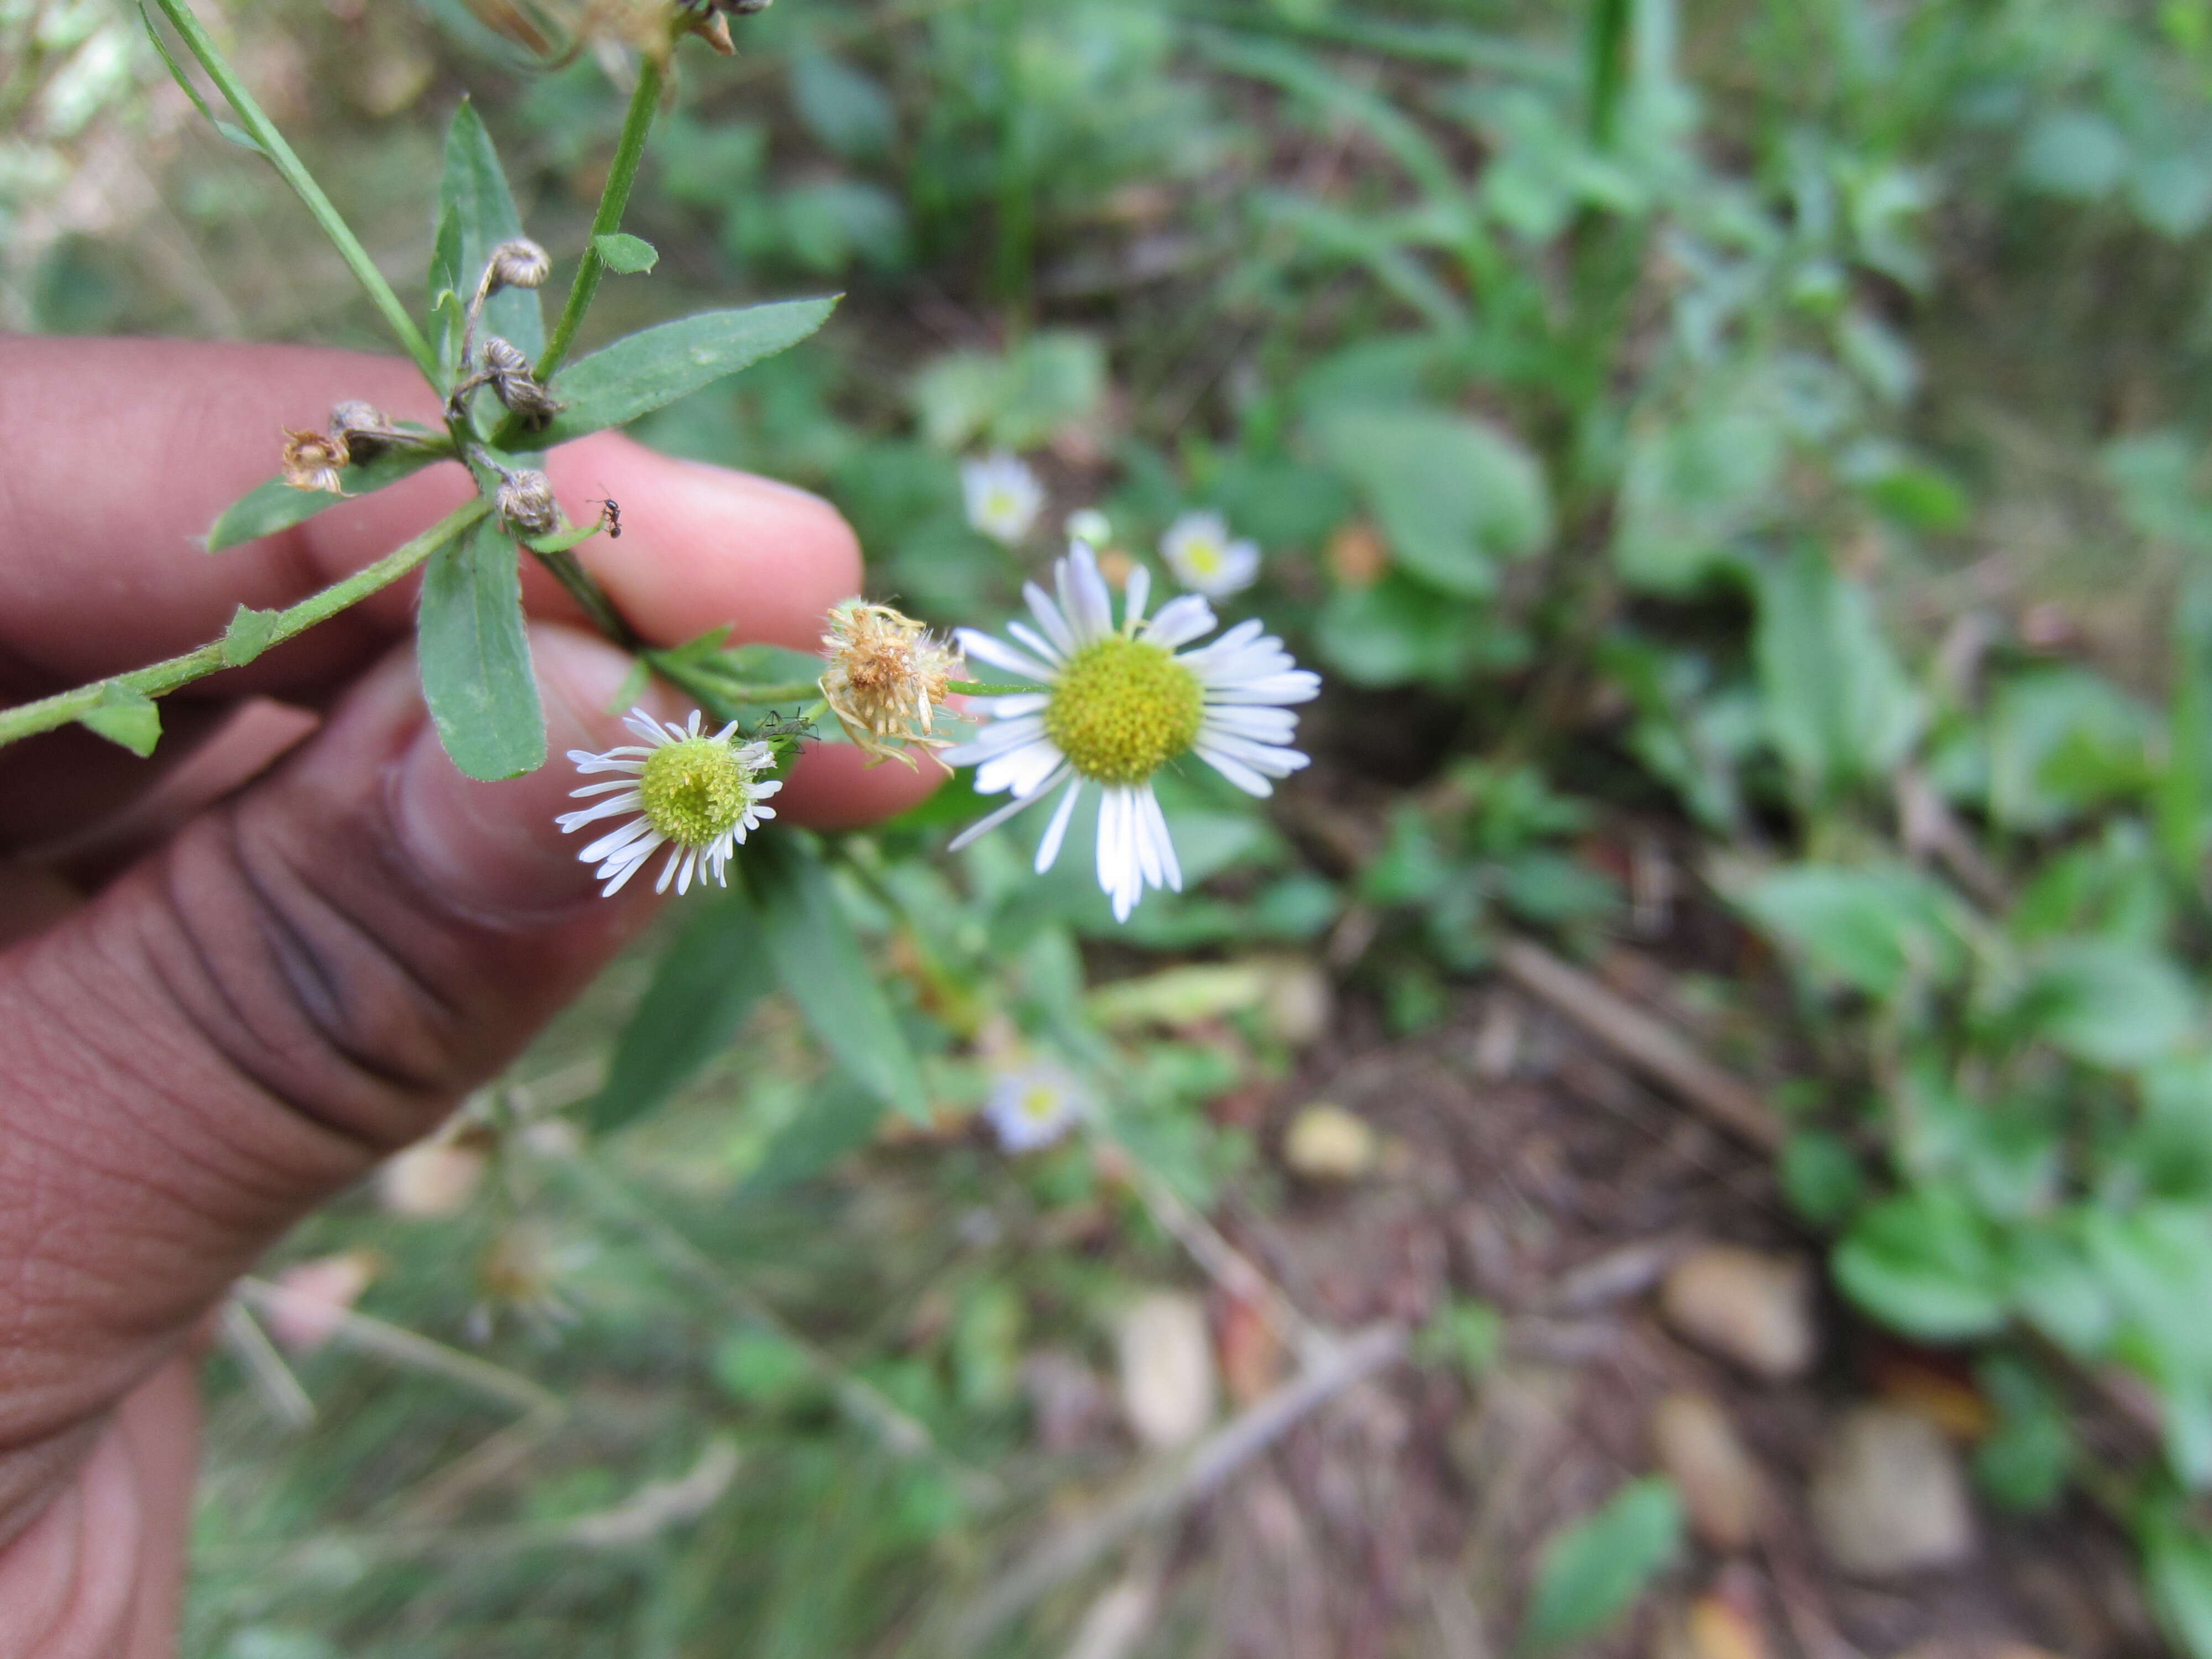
[1722,1488]
[1747,1306]
[1167,1370]
[1299,1004]
[1327,1143]
[1711,1627]
[1888,1497]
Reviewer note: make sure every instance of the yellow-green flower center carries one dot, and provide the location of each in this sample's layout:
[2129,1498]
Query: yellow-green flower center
[695,791]
[1122,709]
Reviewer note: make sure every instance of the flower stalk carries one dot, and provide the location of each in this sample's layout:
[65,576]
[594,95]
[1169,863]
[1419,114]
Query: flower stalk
[294,173]
[156,679]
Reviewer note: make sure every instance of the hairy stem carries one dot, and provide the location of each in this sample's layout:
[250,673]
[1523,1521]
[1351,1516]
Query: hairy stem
[295,173]
[630,150]
[158,678]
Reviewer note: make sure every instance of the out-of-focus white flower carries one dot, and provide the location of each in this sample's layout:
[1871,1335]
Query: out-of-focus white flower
[1115,705]
[313,1297]
[1004,497]
[1198,549]
[699,794]
[1033,1106]
[1089,524]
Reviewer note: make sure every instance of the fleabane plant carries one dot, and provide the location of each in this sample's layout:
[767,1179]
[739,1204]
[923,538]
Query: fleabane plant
[507,394]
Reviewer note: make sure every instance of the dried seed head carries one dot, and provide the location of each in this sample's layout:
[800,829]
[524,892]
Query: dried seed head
[314,460]
[525,501]
[518,264]
[361,428]
[531,401]
[503,357]
[508,372]
[885,679]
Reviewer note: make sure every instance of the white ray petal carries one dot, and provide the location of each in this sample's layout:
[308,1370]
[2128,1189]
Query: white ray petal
[1049,617]
[982,648]
[1030,640]
[1235,770]
[1056,832]
[1183,618]
[1134,595]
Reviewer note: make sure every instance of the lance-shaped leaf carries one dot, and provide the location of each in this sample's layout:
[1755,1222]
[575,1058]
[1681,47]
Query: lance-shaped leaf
[474,197]
[708,981]
[643,371]
[823,966]
[275,506]
[474,655]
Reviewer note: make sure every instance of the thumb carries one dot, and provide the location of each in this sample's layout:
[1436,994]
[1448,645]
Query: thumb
[304,979]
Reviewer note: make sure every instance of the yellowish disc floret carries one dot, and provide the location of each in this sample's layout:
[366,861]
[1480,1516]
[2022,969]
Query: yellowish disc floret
[694,792]
[1122,708]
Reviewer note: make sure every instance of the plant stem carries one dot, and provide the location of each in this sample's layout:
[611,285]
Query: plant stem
[568,571]
[630,150]
[152,681]
[295,173]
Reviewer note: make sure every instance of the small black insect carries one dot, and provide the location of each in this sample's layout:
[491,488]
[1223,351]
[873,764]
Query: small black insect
[610,516]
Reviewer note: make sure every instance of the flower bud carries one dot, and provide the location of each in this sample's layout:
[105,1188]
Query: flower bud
[518,264]
[525,501]
[503,357]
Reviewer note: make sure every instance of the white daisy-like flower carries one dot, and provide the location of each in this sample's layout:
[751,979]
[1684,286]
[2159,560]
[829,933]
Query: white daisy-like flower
[1116,704]
[1033,1106]
[697,792]
[1198,549]
[1004,497]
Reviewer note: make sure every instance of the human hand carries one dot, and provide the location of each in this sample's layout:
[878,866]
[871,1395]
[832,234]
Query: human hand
[225,991]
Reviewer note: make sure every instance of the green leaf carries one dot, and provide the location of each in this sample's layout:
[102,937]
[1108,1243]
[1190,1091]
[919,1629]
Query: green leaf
[1876,930]
[237,135]
[2178,1571]
[1838,707]
[1593,1570]
[825,970]
[1821,1176]
[1454,496]
[2024,1460]
[1926,1264]
[2109,1003]
[639,373]
[2183,796]
[275,506]
[1052,381]
[127,717]
[474,654]
[2062,740]
[704,987]
[248,635]
[848,110]
[626,255]
[473,192]
[841,1117]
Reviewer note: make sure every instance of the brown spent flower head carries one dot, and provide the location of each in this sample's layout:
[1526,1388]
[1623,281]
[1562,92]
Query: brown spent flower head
[519,262]
[314,460]
[361,430]
[885,679]
[525,501]
[507,370]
